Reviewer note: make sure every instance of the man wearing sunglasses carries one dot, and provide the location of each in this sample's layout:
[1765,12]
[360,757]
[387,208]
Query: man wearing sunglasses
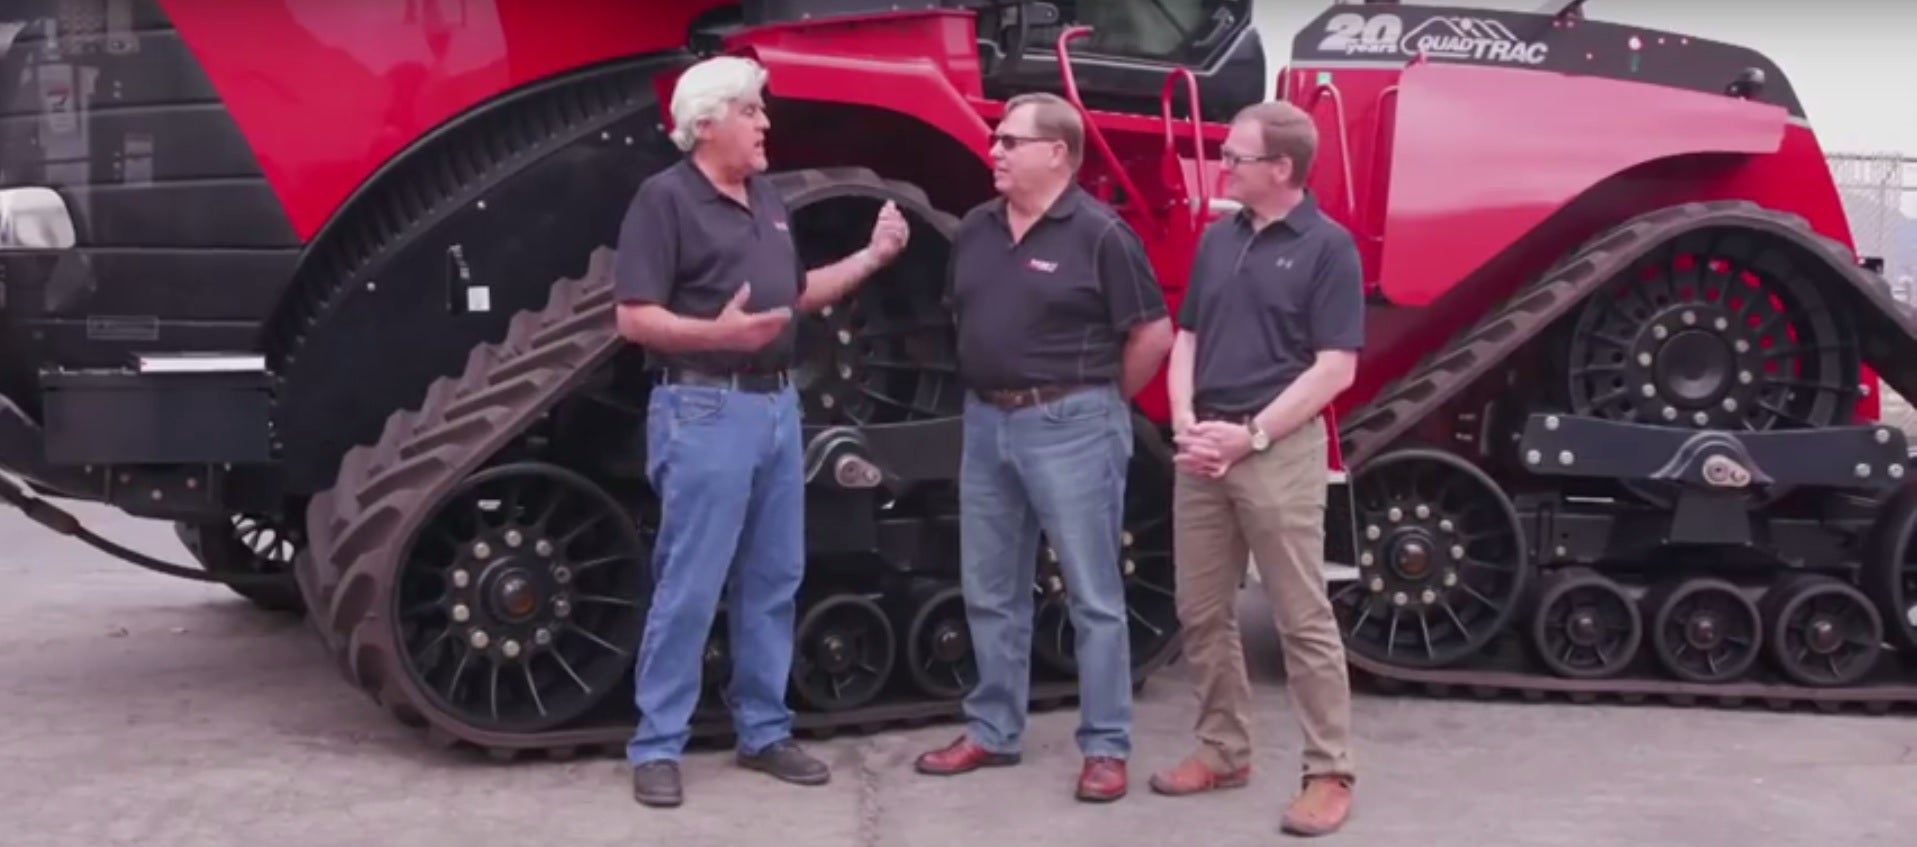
[1269,334]
[1060,322]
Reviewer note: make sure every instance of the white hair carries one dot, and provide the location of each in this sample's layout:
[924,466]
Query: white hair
[706,89]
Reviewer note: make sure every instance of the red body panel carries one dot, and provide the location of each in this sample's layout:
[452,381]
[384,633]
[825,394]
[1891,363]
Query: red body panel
[327,91]
[1462,183]
[1459,182]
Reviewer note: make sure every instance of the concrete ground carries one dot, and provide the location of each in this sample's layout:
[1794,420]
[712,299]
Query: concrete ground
[141,709]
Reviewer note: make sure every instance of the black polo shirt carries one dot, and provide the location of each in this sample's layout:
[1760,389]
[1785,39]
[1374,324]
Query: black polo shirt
[1263,303]
[687,246]
[1054,308]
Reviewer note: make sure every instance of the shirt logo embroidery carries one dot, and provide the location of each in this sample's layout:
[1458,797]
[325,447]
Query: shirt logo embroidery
[1284,262]
[1041,265]
[779,225]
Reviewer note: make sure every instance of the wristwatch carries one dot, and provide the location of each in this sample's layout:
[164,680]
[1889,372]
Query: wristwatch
[1259,440]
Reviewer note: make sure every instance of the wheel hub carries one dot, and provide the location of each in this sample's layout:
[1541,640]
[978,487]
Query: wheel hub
[949,642]
[1583,628]
[1703,632]
[1694,368]
[1822,636]
[513,596]
[1410,556]
[835,654]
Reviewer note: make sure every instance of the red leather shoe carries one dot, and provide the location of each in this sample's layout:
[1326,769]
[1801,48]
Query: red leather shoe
[1102,780]
[962,756]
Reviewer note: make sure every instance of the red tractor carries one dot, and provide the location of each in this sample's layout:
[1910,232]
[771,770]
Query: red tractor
[325,282]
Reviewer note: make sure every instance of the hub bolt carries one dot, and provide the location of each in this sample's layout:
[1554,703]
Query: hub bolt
[510,648]
[1450,578]
[1395,514]
[562,574]
[479,639]
[513,538]
[1670,414]
[542,636]
[1377,587]
[461,579]
[1730,404]
[1701,419]
[1690,318]
[1398,598]
[1366,559]
[1744,377]
[1422,511]
[1863,470]
[1659,332]
[1645,360]
[561,607]
[1721,324]
[481,550]
[542,547]
[1457,551]
[1373,533]
[1742,346]
[461,613]
[1882,435]
[1446,525]
[1428,597]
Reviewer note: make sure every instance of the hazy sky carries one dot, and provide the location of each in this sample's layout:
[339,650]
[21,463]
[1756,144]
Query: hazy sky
[1846,58]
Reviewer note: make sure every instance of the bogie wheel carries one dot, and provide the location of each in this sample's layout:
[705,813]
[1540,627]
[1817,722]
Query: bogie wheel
[1145,565]
[939,658]
[1703,630]
[1889,575]
[521,600]
[249,544]
[843,652]
[1585,626]
[1442,562]
[1715,330]
[1820,631]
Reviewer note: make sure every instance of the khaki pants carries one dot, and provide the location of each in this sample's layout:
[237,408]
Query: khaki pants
[1272,506]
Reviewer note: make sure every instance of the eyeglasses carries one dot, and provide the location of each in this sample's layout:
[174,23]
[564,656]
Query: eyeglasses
[1011,142]
[1232,159]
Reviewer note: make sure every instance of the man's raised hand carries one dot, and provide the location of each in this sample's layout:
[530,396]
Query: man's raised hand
[746,331]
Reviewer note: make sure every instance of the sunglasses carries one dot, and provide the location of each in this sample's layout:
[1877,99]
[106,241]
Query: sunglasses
[1011,142]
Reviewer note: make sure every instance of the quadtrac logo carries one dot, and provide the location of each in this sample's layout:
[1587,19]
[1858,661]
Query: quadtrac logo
[1439,37]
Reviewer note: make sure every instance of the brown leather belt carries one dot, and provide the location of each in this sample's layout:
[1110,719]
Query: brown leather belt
[1019,398]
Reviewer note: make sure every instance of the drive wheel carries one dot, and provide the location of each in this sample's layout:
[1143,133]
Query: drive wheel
[1585,626]
[1713,331]
[1822,632]
[519,603]
[1704,630]
[1441,560]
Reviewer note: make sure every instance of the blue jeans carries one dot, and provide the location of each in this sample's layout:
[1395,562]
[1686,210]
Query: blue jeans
[1058,467]
[726,465]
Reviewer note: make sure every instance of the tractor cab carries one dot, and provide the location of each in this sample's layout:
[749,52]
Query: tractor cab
[1121,65]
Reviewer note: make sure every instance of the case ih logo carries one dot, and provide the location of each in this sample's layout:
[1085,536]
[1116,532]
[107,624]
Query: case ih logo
[1440,37]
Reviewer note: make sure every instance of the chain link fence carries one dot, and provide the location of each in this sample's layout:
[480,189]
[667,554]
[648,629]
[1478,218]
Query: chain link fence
[1879,190]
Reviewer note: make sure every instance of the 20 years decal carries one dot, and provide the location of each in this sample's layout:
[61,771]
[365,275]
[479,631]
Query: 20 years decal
[1440,37]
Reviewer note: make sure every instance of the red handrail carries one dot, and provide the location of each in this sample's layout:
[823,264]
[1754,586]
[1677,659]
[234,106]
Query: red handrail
[1197,134]
[1092,132]
[1344,143]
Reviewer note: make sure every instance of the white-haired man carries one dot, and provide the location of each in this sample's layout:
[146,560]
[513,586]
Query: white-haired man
[707,280]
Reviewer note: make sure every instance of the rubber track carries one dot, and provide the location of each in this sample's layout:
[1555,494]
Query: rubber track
[357,529]
[1889,339]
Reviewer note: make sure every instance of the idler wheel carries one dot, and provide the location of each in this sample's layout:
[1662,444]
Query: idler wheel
[1441,561]
[1586,627]
[520,602]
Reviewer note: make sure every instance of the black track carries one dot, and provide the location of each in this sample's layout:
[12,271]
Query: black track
[358,530]
[1888,338]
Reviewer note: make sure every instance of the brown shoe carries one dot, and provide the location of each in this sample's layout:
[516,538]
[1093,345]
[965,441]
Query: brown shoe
[1192,776]
[1321,808]
[962,756]
[1102,779]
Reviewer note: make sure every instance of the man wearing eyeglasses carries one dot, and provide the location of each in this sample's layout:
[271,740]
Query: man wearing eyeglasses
[1269,334]
[1060,322]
